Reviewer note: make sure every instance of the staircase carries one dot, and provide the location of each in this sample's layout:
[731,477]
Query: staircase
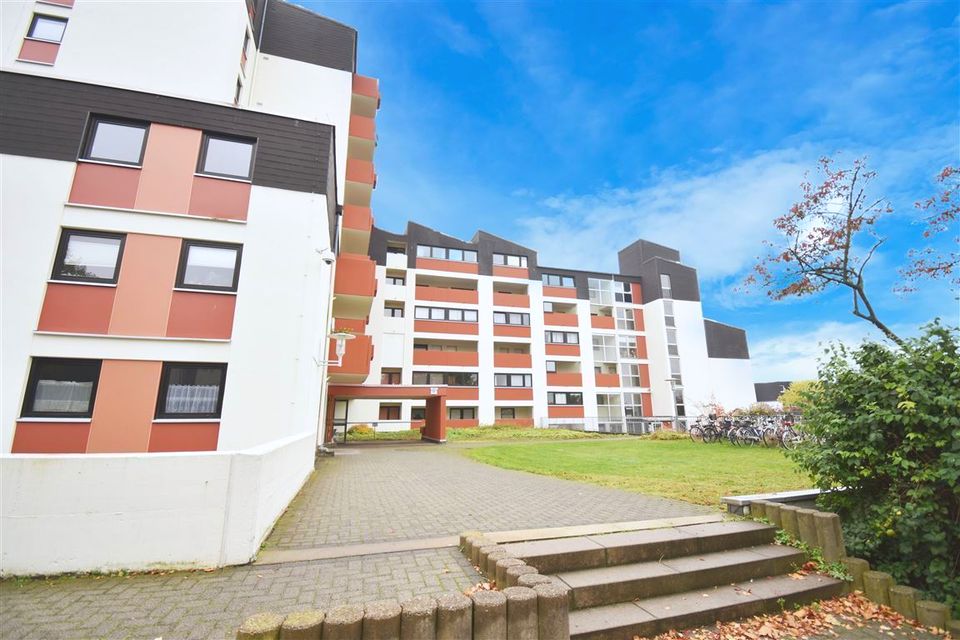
[641,583]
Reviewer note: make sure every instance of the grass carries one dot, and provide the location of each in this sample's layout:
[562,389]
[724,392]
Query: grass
[683,470]
[479,434]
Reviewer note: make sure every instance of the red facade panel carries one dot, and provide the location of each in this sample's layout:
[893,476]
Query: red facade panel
[512,331]
[105,185]
[216,198]
[39,51]
[51,437]
[440,326]
[76,308]
[447,265]
[196,314]
[182,436]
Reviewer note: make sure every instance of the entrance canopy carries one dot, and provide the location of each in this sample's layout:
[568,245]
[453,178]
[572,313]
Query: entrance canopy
[435,427]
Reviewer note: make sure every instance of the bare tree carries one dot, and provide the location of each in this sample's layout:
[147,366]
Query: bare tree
[940,214]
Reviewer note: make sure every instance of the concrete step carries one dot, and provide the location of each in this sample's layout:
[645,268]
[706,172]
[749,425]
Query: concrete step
[627,582]
[588,552]
[655,615]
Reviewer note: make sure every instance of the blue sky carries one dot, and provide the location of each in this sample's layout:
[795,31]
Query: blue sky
[575,128]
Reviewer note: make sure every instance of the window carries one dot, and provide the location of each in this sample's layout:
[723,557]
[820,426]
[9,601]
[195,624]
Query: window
[191,390]
[418,413]
[548,307]
[390,376]
[674,368]
[393,312]
[209,265]
[523,380]
[447,315]
[608,406]
[564,397]
[633,405]
[239,90]
[554,280]
[389,412]
[630,375]
[623,292]
[61,388]
[120,141]
[666,286]
[601,291]
[47,28]
[605,348]
[562,337]
[463,413]
[226,157]
[626,321]
[452,379]
[627,346]
[520,319]
[399,249]
[505,260]
[551,366]
[88,256]
[508,413]
[396,280]
[443,253]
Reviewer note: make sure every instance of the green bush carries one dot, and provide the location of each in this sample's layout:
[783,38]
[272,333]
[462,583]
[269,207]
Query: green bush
[665,435]
[885,424]
[361,430]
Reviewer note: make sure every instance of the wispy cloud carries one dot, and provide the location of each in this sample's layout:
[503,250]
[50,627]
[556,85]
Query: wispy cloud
[794,355]
[458,36]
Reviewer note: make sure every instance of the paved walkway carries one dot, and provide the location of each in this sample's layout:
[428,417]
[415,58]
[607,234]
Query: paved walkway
[377,494]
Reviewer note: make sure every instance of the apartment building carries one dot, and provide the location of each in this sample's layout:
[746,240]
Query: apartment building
[176,181]
[518,342]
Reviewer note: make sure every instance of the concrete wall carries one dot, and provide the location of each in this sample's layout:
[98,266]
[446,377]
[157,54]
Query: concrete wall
[105,512]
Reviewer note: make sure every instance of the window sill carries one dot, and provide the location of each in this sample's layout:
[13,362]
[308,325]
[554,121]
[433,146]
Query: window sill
[111,285]
[64,420]
[227,178]
[125,337]
[125,165]
[449,260]
[184,420]
[35,39]
[221,293]
[42,64]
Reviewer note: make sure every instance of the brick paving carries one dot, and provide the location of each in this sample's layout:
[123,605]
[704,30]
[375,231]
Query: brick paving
[383,493]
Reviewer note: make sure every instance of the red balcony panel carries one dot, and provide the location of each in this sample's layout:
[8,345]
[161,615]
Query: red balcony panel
[197,314]
[51,437]
[450,358]
[39,51]
[447,265]
[441,294]
[183,436]
[638,318]
[647,404]
[513,360]
[215,198]
[515,422]
[560,319]
[511,300]
[440,326]
[356,276]
[463,424]
[363,127]
[510,330]
[564,411]
[505,393]
[349,324]
[564,380]
[76,308]
[463,393]
[563,349]
[602,322]
[560,292]
[364,86]
[361,171]
[105,185]
[511,272]
[607,380]
[356,360]
[62,3]
[359,218]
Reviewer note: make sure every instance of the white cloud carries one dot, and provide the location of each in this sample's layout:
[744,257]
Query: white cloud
[456,36]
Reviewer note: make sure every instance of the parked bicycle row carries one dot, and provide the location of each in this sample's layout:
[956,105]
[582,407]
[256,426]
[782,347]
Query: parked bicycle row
[745,431]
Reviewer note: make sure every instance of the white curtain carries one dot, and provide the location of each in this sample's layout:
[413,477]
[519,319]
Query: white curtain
[192,398]
[62,396]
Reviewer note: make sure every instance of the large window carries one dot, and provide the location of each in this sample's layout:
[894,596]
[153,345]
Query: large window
[601,291]
[113,140]
[189,390]
[605,348]
[507,260]
[633,405]
[608,407]
[418,413]
[522,319]
[47,28]
[556,280]
[88,256]
[226,156]
[564,397]
[562,337]
[390,311]
[445,253]
[508,413]
[61,388]
[390,376]
[452,379]
[398,280]
[463,413]
[524,380]
[666,285]
[626,320]
[447,315]
[630,375]
[209,265]
[628,346]
[389,412]
[623,292]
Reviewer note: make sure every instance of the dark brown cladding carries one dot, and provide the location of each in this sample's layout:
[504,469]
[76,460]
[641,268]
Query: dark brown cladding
[724,341]
[299,34]
[45,118]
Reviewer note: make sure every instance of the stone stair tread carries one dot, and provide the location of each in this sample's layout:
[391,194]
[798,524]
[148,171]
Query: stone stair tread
[697,607]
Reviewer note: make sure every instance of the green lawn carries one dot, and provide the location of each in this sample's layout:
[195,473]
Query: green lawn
[681,469]
[476,434]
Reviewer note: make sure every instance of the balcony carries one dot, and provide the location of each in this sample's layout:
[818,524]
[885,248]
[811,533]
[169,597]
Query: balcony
[443,326]
[511,300]
[456,266]
[442,294]
[361,180]
[559,292]
[508,393]
[446,358]
[463,393]
[357,225]
[564,380]
[511,272]
[354,286]
[602,322]
[607,380]
[565,411]
[513,360]
[560,319]
[511,331]
[366,96]
[356,361]
[363,138]
[563,350]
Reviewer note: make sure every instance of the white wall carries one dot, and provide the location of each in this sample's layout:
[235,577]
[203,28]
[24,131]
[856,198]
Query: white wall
[186,49]
[104,512]
[732,382]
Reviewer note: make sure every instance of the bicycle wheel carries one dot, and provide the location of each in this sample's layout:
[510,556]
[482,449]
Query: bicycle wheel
[710,435]
[770,438]
[696,433]
[791,439]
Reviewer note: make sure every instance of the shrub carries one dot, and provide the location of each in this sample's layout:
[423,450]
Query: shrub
[665,435]
[885,424]
[796,397]
[361,430]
